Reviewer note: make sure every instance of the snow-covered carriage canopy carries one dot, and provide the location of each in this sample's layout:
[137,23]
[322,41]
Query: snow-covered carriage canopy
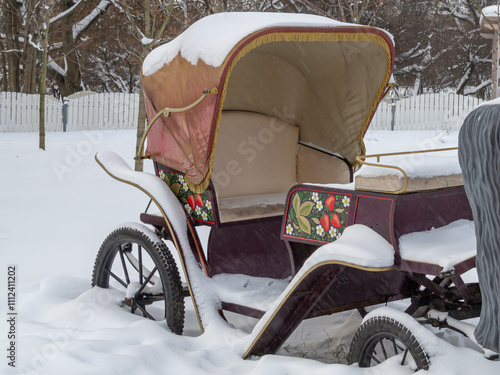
[323,76]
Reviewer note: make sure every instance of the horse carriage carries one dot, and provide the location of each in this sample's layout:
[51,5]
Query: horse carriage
[256,125]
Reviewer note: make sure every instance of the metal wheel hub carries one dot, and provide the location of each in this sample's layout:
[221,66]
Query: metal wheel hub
[141,299]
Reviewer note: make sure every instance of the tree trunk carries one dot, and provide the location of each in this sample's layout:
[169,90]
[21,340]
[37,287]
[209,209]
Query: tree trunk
[141,118]
[5,85]
[12,44]
[30,53]
[73,79]
[43,79]
[141,122]
[29,74]
[416,87]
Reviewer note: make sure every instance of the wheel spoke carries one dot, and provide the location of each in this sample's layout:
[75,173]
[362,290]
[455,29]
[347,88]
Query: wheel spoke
[140,264]
[124,265]
[404,357]
[145,313]
[374,358]
[116,278]
[143,285]
[383,349]
[135,264]
[394,345]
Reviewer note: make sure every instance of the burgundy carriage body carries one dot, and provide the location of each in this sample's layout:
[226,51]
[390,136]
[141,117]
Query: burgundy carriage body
[291,98]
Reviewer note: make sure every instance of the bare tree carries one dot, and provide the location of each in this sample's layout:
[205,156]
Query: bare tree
[438,45]
[20,42]
[95,45]
[471,71]
[71,20]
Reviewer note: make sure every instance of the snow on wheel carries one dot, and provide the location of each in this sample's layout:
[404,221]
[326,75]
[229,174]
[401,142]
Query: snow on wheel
[381,338]
[134,260]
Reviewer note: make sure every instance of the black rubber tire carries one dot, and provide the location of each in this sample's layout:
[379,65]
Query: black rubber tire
[382,330]
[162,259]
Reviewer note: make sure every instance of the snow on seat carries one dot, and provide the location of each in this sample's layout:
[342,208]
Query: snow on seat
[424,172]
[445,247]
[391,183]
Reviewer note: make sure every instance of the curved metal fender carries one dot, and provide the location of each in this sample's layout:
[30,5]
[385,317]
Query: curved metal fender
[170,208]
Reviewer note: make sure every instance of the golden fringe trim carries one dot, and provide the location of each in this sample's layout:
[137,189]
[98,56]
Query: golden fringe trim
[203,185]
[297,37]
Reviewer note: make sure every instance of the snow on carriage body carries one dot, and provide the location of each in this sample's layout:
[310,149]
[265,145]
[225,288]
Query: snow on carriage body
[256,124]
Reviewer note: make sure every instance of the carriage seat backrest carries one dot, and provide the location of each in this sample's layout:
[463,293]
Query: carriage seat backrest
[314,166]
[258,159]
[255,155]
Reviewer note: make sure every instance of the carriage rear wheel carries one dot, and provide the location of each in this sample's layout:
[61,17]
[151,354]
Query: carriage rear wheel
[135,261]
[382,338]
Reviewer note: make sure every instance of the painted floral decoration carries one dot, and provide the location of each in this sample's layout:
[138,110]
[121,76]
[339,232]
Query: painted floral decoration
[198,206]
[319,216]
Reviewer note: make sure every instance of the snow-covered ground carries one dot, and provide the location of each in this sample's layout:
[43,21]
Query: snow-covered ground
[57,206]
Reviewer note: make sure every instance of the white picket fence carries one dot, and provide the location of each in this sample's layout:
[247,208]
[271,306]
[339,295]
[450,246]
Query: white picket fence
[20,113]
[424,112]
[113,111]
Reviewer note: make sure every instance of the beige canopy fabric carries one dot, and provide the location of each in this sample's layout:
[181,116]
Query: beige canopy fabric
[328,81]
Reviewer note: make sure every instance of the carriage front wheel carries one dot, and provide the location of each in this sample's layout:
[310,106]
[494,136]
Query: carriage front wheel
[134,260]
[381,338]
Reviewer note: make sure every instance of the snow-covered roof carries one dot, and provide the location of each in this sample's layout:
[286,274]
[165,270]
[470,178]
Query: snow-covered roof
[336,70]
[212,38]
